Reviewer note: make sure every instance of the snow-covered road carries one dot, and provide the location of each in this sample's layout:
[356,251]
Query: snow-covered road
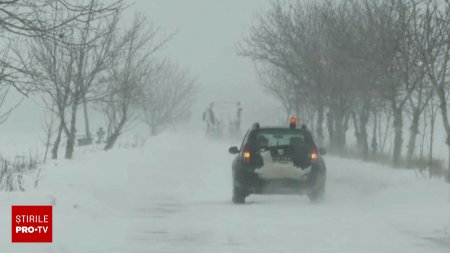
[181,203]
[174,195]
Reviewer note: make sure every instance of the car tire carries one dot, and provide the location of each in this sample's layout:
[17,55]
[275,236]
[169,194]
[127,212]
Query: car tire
[238,195]
[317,191]
[317,194]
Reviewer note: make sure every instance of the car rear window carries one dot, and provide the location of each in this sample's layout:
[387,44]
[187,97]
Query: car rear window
[279,137]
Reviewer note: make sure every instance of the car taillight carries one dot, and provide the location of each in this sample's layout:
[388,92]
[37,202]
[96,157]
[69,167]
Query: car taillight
[314,154]
[246,154]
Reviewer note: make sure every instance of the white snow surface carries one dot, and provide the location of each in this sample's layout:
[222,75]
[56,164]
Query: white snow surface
[174,195]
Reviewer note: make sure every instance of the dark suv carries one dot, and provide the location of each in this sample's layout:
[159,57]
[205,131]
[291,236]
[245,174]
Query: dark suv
[278,160]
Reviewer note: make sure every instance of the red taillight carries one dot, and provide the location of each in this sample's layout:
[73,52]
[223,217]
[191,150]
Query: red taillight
[246,154]
[314,154]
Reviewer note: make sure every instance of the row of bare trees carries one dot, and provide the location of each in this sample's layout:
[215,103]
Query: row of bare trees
[357,64]
[80,58]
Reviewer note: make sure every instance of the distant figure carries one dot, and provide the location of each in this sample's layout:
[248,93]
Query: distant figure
[238,116]
[100,135]
[210,118]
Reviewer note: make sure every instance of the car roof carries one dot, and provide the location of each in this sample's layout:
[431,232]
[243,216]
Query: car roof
[278,128]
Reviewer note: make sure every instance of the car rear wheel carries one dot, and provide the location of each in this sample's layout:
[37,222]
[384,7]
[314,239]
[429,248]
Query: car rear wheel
[317,190]
[238,195]
[317,194]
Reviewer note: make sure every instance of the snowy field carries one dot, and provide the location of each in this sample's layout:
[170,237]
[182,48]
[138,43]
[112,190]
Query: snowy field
[174,195]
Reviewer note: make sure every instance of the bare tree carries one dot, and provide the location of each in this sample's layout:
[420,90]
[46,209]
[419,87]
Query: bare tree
[49,127]
[69,71]
[432,113]
[94,52]
[418,102]
[125,78]
[52,71]
[30,17]
[35,19]
[289,38]
[280,86]
[4,115]
[166,97]
[360,62]
[432,37]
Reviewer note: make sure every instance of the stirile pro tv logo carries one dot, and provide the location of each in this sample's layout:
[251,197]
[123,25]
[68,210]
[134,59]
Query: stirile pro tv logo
[32,224]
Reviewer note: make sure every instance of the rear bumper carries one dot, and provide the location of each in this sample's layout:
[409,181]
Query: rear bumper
[275,186]
[282,171]
[282,186]
[254,183]
[252,180]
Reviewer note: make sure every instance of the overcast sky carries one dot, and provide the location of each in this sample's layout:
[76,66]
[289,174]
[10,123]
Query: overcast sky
[205,43]
[208,31]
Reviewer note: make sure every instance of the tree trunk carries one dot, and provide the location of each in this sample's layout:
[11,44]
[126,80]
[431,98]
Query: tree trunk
[115,135]
[422,141]
[339,123]
[365,142]
[111,140]
[319,127]
[337,129]
[357,133]
[443,108]
[414,130]
[361,133]
[363,121]
[447,178]
[374,142]
[340,133]
[430,154]
[330,123]
[47,144]
[72,133]
[86,119]
[398,139]
[55,147]
[384,133]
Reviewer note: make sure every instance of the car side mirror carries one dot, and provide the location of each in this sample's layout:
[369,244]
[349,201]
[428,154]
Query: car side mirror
[322,151]
[233,150]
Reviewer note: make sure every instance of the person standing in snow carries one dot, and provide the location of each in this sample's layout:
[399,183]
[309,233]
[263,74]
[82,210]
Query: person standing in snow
[210,119]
